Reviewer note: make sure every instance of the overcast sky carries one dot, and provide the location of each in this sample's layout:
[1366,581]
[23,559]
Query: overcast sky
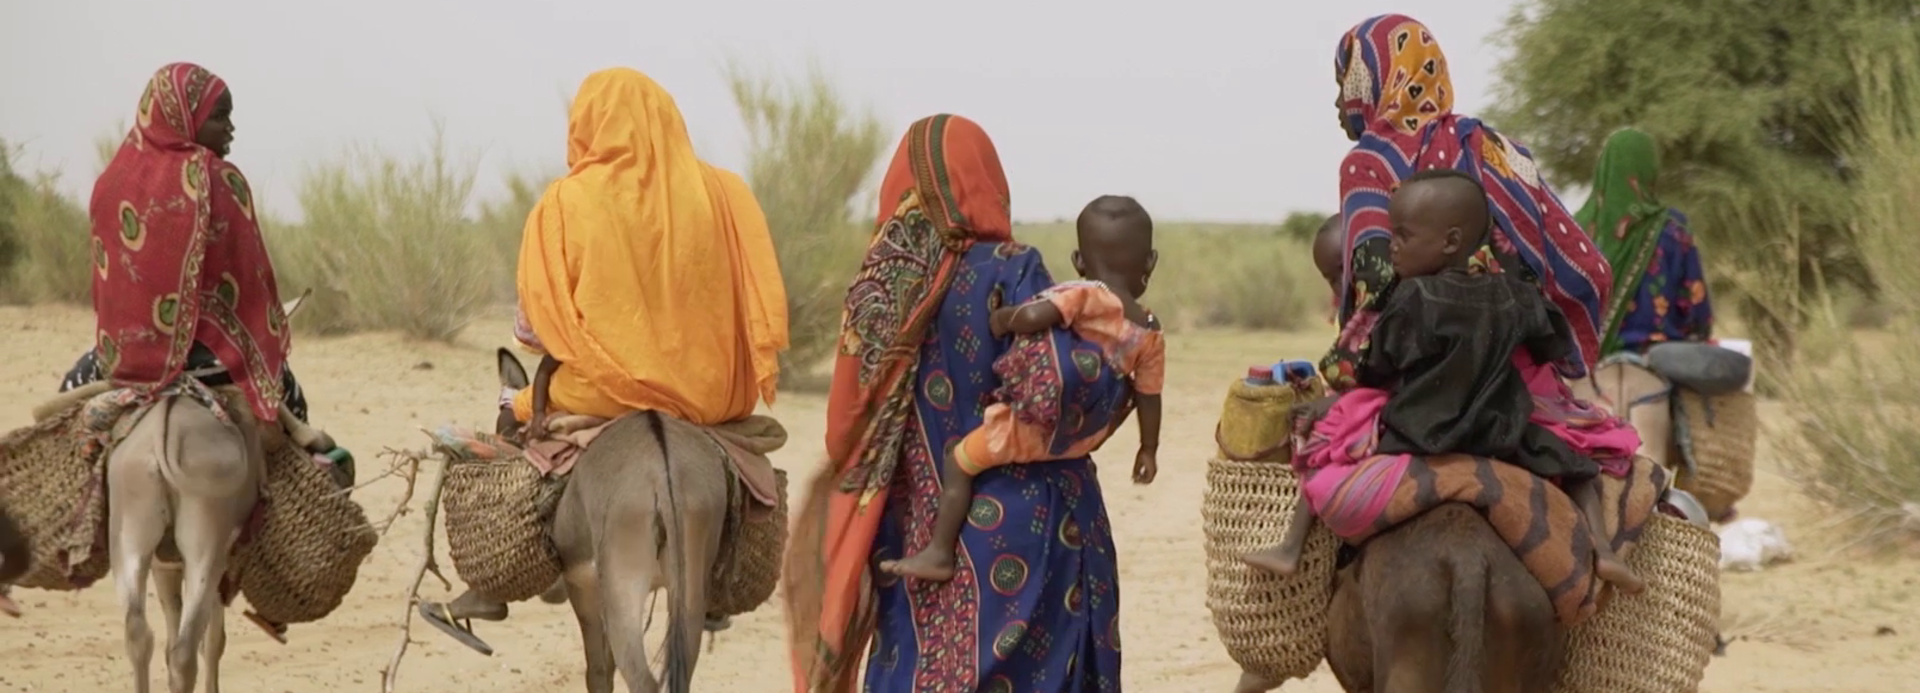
[1205,109]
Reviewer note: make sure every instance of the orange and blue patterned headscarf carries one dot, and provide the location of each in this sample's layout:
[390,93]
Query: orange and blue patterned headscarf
[1397,104]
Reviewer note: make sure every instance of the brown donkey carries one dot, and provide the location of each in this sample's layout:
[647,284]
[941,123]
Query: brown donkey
[1440,604]
[643,510]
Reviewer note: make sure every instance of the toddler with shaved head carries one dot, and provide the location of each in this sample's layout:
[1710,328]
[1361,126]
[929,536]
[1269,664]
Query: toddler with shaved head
[1445,348]
[1054,405]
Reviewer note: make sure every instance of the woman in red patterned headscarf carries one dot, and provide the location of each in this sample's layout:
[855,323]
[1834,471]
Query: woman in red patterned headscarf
[177,254]
[181,278]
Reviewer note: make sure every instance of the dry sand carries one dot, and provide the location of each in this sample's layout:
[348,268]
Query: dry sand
[1825,623]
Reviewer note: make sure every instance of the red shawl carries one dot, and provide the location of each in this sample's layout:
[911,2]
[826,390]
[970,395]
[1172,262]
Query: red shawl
[177,254]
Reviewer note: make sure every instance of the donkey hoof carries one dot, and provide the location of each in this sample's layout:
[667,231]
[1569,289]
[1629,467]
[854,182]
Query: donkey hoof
[720,623]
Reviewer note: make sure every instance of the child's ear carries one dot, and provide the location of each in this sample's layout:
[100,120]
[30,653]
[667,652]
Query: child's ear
[1153,260]
[1453,240]
[1079,265]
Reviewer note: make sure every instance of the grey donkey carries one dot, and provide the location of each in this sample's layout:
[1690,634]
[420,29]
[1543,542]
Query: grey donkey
[182,479]
[643,510]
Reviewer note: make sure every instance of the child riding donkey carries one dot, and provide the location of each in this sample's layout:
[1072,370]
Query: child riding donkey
[1446,369]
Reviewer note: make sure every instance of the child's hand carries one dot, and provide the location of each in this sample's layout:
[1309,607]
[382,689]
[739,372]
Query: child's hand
[1310,412]
[1145,467]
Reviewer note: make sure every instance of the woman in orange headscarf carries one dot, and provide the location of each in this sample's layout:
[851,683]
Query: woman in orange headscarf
[648,277]
[1035,598]
[647,281]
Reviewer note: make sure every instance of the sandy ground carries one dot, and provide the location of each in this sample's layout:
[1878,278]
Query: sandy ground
[1828,622]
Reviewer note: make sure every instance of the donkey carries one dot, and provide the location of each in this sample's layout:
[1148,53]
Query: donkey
[644,509]
[182,481]
[1440,604]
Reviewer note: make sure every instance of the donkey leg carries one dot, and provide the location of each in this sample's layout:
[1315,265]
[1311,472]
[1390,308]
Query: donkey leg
[137,521]
[215,646]
[205,533]
[166,586]
[627,564]
[583,591]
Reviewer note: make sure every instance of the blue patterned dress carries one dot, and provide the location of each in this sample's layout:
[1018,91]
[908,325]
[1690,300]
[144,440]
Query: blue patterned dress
[1035,604]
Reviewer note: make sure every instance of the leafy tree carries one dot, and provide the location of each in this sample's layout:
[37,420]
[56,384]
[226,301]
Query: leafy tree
[1751,101]
[1302,226]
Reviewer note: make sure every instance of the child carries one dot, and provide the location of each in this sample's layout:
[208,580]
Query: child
[1444,345]
[1115,258]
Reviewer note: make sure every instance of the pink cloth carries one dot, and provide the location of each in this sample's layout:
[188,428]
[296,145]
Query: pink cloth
[1348,486]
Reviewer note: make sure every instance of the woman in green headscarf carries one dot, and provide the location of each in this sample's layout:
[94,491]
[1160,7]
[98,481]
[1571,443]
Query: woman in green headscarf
[1659,287]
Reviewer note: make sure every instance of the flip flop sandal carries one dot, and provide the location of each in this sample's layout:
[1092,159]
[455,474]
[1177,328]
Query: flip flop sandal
[277,631]
[441,616]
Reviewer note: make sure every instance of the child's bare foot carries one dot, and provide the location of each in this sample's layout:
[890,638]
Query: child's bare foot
[8,607]
[1623,578]
[1277,560]
[932,565]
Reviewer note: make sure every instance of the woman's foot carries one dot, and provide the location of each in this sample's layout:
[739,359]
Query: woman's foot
[1618,574]
[932,565]
[1277,560]
[7,605]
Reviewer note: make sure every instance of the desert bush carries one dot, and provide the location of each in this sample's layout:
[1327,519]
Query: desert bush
[503,220]
[1240,276]
[1854,434]
[385,244]
[43,238]
[810,154]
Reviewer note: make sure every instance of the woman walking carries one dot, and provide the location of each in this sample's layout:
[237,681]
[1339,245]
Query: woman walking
[1034,602]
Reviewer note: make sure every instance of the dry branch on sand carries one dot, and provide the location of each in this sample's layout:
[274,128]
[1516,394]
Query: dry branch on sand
[428,565]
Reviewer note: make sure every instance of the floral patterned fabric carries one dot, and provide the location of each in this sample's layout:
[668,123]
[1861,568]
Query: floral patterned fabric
[1671,303]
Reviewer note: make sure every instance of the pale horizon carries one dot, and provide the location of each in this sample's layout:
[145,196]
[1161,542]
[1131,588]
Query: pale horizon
[1221,111]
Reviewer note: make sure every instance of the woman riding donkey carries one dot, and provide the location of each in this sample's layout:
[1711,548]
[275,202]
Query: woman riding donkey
[1659,285]
[647,281]
[1032,602]
[1397,105]
[182,282]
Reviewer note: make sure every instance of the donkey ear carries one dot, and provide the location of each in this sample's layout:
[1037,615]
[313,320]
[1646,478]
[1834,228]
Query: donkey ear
[512,374]
[288,308]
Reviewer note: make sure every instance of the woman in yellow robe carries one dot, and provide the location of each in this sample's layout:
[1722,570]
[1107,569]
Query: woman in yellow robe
[646,275]
[647,280]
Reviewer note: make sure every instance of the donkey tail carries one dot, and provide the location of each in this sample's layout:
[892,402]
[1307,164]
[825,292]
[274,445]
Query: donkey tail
[683,627]
[1467,626]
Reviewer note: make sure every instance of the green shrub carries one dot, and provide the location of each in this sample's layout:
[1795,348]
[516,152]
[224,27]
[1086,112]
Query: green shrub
[386,245]
[810,154]
[1854,438]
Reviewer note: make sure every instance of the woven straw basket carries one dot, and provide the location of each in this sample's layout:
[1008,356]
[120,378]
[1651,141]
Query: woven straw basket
[1274,627]
[748,567]
[308,552]
[58,497]
[1658,641]
[499,512]
[1723,431]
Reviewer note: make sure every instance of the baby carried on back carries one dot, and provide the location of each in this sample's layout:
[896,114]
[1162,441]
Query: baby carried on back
[1456,362]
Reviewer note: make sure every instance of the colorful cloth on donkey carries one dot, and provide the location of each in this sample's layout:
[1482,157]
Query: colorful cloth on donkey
[1358,493]
[1046,411]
